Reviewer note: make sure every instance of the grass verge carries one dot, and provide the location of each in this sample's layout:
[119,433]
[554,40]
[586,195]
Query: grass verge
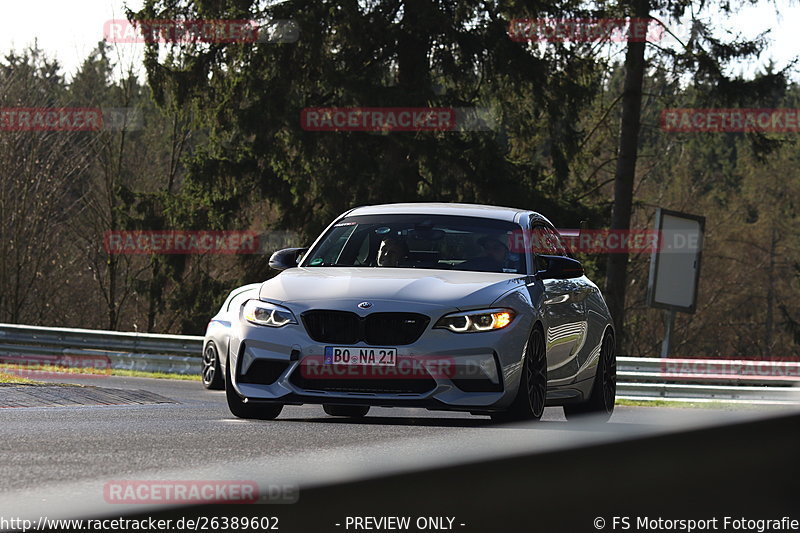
[11,379]
[17,373]
[694,405]
[156,375]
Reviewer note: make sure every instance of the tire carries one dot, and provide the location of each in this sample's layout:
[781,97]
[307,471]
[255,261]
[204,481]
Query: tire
[353,411]
[600,404]
[532,394]
[212,375]
[268,411]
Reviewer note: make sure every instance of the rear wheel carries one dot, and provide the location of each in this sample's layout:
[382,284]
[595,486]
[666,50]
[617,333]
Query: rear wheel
[212,376]
[604,389]
[532,394]
[248,410]
[353,411]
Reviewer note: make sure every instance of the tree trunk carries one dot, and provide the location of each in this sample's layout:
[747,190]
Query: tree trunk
[616,271]
[769,325]
[414,82]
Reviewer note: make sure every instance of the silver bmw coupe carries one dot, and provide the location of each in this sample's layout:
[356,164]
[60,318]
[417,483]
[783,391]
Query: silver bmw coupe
[441,306]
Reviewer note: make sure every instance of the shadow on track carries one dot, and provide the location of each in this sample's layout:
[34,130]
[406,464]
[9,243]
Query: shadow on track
[558,425]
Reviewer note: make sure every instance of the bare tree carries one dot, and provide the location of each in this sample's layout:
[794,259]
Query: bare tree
[38,192]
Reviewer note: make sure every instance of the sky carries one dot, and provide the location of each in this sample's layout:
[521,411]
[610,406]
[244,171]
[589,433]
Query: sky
[69,31]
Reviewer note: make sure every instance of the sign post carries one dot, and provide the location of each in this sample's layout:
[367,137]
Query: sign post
[675,267]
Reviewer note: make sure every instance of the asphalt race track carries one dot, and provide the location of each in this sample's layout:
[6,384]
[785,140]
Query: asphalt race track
[58,459]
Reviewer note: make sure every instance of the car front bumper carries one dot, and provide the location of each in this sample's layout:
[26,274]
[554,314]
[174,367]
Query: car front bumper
[452,371]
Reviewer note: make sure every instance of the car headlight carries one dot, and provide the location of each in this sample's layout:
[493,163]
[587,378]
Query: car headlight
[474,321]
[267,314]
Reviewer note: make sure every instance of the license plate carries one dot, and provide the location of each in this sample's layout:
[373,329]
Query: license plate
[354,355]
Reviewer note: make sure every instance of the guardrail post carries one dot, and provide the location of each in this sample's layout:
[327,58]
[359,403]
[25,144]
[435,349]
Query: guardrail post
[669,324]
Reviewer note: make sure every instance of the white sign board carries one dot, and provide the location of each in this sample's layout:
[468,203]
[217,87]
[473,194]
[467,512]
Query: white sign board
[675,262]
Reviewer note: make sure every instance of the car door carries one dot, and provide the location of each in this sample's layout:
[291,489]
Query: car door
[564,308]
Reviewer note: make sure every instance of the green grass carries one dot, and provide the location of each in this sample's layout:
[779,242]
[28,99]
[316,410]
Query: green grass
[53,369]
[666,403]
[10,379]
[155,375]
[693,405]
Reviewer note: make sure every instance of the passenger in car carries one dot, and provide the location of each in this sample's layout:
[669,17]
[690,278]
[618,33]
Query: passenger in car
[493,260]
[392,252]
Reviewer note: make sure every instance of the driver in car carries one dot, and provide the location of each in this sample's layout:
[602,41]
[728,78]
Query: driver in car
[392,252]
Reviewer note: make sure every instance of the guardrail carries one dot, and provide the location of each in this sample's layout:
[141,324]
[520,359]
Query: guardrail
[179,354]
[640,378]
[729,380]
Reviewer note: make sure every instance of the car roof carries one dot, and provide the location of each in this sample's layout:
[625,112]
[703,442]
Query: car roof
[441,208]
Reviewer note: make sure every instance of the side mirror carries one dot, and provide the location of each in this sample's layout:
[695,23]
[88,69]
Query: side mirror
[558,267]
[286,258]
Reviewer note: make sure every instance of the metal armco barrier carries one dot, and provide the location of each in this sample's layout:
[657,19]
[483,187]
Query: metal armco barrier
[179,354]
[731,380]
[640,378]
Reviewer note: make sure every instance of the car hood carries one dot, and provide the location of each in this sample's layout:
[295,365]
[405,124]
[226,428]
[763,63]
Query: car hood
[328,286]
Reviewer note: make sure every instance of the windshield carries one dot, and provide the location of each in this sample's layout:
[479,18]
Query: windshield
[419,241]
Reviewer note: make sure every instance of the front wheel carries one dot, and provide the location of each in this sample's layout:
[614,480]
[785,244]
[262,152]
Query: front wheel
[352,411]
[248,410]
[532,395]
[604,388]
[212,376]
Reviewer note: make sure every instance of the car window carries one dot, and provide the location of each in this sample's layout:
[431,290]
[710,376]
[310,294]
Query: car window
[545,240]
[331,248]
[420,241]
